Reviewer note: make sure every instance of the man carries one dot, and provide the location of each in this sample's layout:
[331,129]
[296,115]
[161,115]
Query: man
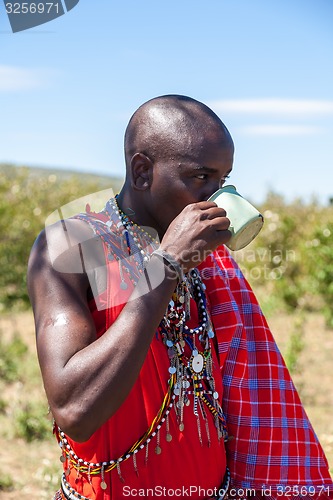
[159,368]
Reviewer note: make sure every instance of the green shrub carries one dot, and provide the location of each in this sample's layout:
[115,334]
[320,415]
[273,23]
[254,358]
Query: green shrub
[6,482]
[3,406]
[11,355]
[27,198]
[32,422]
[292,257]
[321,254]
[295,346]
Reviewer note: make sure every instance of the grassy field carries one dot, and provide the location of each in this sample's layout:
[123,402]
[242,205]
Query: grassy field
[29,455]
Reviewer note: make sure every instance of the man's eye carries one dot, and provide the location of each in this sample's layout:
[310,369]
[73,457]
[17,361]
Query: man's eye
[201,176]
[224,179]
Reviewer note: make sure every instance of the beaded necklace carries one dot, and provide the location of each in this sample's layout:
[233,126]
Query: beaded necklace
[190,354]
[127,244]
[190,375]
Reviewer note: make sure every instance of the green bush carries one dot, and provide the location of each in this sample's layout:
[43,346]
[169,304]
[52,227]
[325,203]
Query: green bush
[6,482]
[295,346]
[3,406]
[32,422]
[321,254]
[292,258]
[11,355]
[27,198]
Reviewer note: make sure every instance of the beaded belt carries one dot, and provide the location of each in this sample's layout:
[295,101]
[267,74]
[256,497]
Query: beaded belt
[223,490]
[68,493]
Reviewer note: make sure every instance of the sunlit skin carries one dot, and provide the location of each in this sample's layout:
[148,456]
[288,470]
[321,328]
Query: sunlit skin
[177,154]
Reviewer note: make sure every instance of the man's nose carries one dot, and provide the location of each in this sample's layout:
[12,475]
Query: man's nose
[212,189]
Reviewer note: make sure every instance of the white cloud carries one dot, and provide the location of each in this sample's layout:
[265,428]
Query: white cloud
[280,130]
[13,78]
[274,106]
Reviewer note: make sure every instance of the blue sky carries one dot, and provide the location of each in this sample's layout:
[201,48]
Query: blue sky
[68,88]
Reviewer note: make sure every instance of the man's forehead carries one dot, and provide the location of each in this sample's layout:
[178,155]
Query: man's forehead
[203,151]
[220,162]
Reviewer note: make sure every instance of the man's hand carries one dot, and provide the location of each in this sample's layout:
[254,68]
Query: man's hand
[197,231]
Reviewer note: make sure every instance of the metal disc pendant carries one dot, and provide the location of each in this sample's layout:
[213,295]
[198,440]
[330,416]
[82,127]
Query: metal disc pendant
[181,426]
[168,437]
[172,370]
[104,485]
[158,450]
[123,285]
[63,459]
[67,472]
[197,363]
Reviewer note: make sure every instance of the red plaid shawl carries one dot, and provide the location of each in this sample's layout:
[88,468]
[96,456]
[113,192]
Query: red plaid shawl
[274,447]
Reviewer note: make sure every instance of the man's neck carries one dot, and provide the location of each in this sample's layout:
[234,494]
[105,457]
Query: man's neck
[135,210]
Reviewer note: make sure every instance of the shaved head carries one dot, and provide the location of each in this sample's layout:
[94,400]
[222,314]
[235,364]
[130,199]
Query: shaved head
[178,152]
[173,127]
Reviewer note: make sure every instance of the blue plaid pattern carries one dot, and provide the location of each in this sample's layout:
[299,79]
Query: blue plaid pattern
[273,444]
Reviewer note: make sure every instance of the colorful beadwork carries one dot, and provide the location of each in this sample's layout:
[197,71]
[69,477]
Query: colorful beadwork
[190,354]
[92,469]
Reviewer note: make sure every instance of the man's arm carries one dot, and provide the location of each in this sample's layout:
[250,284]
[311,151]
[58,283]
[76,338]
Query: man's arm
[87,379]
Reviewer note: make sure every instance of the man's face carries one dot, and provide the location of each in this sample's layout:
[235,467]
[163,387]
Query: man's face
[190,179]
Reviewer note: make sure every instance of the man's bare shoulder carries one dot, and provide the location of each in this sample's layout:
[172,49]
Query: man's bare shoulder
[68,246]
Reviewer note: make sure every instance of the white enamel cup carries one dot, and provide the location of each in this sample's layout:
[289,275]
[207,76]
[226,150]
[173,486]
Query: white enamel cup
[245,220]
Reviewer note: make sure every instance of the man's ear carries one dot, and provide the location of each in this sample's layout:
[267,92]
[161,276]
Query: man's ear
[141,172]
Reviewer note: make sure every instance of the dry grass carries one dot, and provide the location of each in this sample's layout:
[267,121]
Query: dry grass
[32,470]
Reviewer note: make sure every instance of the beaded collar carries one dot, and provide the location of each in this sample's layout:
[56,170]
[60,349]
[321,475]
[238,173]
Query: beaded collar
[190,381]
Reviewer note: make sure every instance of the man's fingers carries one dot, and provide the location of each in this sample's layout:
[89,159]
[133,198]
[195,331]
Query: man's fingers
[220,223]
[204,205]
[222,237]
[214,212]
[207,209]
